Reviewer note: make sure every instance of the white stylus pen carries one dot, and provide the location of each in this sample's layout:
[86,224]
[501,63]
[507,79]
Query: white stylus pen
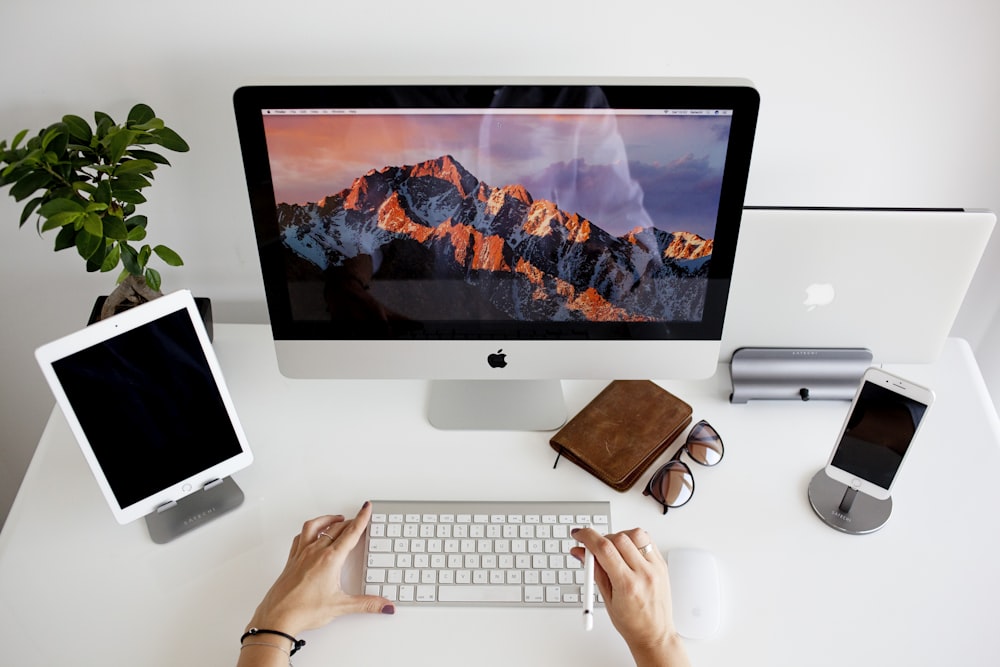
[588,590]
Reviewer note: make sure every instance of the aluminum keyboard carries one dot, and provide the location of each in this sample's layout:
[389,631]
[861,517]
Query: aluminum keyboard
[465,553]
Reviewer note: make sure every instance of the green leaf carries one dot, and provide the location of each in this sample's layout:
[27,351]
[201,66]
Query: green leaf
[83,186]
[102,118]
[96,261]
[60,205]
[152,277]
[138,221]
[170,140]
[28,185]
[66,238]
[60,220]
[148,126]
[78,128]
[114,228]
[152,156]
[128,195]
[118,141]
[103,193]
[92,224]
[130,259]
[168,255]
[51,133]
[129,182]
[144,254]
[29,208]
[111,259]
[135,166]
[140,113]
[17,139]
[136,233]
[87,244]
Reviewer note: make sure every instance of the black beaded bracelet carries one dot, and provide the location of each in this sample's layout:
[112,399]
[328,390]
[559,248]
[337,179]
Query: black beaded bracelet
[296,643]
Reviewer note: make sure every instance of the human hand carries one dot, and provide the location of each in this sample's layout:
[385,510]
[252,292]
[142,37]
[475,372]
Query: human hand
[307,594]
[636,593]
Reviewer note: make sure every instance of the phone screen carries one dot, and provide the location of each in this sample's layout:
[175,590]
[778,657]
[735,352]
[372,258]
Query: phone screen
[877,434]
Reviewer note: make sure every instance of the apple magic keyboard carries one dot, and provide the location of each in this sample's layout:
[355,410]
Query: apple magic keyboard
[468,553]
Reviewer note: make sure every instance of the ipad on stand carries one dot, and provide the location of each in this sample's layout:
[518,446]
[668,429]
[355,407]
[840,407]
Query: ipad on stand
[144,396]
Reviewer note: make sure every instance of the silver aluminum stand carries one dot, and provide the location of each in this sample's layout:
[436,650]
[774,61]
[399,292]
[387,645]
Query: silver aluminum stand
[175,518]
[797,373]
[846,509]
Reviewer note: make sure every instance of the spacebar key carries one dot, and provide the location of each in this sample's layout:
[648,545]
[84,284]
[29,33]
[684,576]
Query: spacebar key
[479,593]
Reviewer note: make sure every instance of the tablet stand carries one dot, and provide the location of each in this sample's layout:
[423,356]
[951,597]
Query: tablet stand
[844,508]
[175,518]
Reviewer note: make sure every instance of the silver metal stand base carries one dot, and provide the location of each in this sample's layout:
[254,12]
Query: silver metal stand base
[173,520]
[497,405]
[845,509]
[797,373]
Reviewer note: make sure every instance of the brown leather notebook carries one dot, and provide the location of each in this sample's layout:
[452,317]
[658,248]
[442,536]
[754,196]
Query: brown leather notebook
[619,434]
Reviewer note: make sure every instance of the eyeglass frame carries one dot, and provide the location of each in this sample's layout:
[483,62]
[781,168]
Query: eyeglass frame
[675,461]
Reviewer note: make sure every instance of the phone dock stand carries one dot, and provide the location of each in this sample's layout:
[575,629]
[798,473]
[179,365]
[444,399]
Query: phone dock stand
[847,509]
[173,519]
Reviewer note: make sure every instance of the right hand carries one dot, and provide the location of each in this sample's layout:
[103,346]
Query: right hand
[635,587]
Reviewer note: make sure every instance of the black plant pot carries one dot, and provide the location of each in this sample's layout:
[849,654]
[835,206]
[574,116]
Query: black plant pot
[204,308]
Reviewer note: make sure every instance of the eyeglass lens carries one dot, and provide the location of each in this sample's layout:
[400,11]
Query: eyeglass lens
[673,484]
[704,444]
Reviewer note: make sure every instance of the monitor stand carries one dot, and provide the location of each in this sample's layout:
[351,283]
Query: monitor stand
[175,518]
[496,405]
[847,509]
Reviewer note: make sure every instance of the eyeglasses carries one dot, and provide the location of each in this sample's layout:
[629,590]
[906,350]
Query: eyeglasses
[673,484]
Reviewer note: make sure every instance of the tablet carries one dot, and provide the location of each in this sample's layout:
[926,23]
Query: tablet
[145,398]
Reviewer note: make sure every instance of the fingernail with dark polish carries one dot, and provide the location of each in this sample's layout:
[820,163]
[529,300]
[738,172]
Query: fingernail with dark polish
[367,503]
[388,609]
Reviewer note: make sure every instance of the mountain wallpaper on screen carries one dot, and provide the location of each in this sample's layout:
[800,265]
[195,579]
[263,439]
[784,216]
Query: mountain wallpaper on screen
[434,224]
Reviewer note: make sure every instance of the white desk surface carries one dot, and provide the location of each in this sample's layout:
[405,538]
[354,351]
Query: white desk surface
[78,589]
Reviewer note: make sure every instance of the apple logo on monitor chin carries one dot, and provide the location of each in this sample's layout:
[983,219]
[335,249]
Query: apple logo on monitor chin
[497,360]
[818,294]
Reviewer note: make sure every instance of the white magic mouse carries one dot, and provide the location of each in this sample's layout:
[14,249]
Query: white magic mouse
[694,587]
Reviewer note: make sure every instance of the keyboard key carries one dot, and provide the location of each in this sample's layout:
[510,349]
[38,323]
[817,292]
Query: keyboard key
[479,593]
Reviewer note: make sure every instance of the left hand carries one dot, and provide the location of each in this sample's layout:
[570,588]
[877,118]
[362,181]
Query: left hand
[307,594]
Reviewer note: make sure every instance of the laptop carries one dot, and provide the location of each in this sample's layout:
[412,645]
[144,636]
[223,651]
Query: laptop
[888,280]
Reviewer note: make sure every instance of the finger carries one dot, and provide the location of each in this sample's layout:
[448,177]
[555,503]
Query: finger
[370,604]
[354,529]
[628,548]
[600,576]
[312,529]
[643,540]
[605,552]
[334,530]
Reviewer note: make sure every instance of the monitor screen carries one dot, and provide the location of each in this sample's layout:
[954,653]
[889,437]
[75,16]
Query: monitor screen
[458,231]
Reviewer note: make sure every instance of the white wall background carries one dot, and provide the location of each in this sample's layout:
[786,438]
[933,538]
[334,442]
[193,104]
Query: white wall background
[864,103]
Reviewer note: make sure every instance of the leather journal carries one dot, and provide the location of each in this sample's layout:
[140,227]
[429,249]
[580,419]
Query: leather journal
[619,434]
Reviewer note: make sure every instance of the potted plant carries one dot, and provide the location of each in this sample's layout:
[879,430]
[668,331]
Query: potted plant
[85,183]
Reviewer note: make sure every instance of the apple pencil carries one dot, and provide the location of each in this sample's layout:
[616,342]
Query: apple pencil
[588,590]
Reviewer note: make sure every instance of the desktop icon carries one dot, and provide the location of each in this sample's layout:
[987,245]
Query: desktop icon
[818,294]
[497,360]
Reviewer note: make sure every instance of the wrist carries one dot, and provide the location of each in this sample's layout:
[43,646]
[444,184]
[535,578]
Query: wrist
[667,651]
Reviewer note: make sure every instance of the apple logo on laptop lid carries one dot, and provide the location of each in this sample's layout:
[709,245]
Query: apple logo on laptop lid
[818,294]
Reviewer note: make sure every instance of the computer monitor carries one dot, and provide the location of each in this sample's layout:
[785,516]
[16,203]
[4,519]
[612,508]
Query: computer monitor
[497,237]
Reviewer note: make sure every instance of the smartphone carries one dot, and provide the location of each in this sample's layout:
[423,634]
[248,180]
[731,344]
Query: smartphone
[884,417]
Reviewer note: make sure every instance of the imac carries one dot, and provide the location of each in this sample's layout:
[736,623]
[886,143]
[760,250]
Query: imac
[496,238]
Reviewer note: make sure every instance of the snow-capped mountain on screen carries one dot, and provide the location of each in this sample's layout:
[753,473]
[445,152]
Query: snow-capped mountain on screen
[526,257]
